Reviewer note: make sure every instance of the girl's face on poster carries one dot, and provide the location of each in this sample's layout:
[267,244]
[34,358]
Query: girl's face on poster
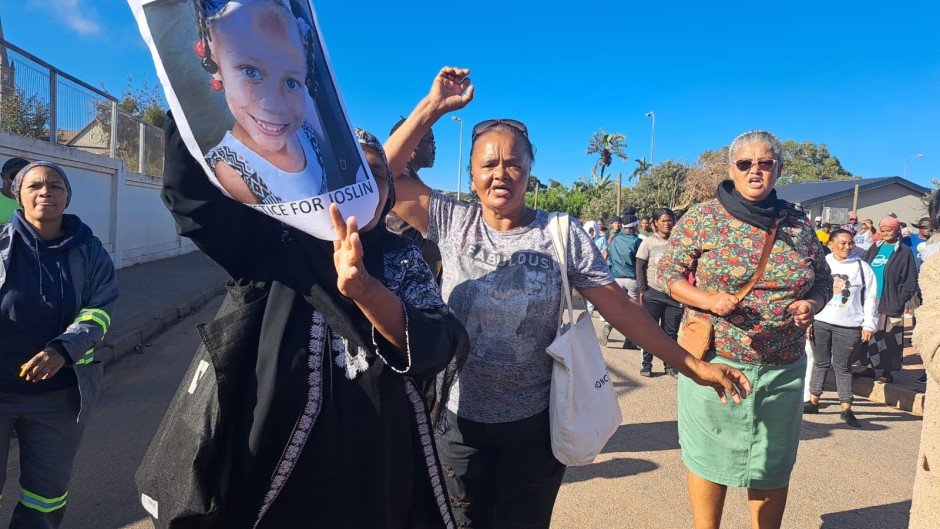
[262,68]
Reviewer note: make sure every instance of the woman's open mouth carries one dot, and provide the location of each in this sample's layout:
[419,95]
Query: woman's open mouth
[501,191]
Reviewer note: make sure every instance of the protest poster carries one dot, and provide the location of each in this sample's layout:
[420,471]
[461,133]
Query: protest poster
[252,90]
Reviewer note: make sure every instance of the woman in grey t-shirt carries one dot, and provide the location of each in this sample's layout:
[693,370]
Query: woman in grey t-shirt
[503,282]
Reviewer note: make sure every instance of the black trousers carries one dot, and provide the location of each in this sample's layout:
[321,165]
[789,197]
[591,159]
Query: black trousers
[500,475]
[665,311]
[832,348]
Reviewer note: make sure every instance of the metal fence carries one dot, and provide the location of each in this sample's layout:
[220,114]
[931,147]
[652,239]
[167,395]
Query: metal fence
[38,101]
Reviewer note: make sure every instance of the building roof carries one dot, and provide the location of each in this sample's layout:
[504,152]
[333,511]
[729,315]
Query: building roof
[812,192]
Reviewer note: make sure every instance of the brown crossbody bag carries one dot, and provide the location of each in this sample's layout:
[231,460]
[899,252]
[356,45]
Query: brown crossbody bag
[696,332]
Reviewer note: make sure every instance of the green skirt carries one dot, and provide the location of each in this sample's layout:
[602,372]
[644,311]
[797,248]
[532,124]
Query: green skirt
[752,444]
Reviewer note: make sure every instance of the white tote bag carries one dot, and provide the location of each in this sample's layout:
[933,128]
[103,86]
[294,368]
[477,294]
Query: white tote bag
[583,404]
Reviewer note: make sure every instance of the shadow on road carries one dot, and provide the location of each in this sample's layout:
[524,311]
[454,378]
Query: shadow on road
[612,469]
[870,414]
[891,516]
[644,437]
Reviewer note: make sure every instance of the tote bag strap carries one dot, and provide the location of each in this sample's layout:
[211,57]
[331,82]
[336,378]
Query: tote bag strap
[558,230]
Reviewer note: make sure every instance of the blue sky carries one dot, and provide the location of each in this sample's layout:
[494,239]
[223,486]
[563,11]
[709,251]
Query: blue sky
[861,77]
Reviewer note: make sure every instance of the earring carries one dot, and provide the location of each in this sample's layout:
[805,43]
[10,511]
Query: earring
[216,85]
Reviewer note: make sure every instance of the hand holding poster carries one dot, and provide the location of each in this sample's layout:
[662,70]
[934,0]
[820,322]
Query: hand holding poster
[253,94]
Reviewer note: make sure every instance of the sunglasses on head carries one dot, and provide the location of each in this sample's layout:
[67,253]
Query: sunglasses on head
[763,165]
[484,126]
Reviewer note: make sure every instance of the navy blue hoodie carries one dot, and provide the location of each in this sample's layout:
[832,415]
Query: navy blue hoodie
[37,303]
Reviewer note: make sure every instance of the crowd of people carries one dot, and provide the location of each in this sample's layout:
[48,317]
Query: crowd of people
[401,374]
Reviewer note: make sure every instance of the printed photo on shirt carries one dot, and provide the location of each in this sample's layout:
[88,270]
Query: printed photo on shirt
[253,93]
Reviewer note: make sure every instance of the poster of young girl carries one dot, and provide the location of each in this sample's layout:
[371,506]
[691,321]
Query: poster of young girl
[252,90]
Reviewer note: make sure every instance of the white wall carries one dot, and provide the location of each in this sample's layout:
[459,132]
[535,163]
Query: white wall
[122,208]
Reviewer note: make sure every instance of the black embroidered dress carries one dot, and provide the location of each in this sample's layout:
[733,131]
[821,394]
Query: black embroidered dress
[333,431]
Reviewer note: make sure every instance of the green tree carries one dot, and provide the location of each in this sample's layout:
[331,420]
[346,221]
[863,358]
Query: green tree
[147,105]
[575,202]
[808,162]
[595,185]
[642,167]
[24,116]
[605,205]
[536,188]
[702,179]
[550,198]
[606,146]
[661,187]
[559,198]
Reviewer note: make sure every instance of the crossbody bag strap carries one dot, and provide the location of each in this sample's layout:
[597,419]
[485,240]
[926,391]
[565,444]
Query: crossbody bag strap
[764,257]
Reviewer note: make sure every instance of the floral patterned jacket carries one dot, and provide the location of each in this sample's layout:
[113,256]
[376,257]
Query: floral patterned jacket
[723,252]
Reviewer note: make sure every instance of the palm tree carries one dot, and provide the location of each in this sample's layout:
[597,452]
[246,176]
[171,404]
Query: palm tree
[595,183]
[642,167]
[607,145]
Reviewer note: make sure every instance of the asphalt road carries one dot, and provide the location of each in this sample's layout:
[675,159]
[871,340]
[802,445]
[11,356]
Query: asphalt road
[844,478]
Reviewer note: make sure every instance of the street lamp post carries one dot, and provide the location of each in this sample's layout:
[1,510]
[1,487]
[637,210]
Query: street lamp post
[459,154]
[652,135]
[908,160]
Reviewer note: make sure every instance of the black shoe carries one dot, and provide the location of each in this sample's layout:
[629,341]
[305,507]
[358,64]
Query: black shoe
[809,407]
[627,344]
[646,371]
[850,419]
[605,334]
[886,377]
[922,379]
[865,373]
[672,372]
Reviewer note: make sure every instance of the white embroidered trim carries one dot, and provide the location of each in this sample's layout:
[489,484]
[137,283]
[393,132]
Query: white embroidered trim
[353,365]
[311,411]
[375,344]
[430,456]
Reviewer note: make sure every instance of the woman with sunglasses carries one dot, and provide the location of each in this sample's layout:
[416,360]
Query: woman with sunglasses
[896,275]
[762,334]
[502,281]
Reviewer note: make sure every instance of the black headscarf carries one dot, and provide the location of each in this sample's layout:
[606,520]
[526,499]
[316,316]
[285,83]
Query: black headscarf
[762,214]
[341,312]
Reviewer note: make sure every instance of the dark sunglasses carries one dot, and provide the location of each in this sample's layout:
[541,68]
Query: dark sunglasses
[484,126]
[763,165]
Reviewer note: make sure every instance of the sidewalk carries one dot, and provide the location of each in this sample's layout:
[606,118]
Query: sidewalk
[154,296]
